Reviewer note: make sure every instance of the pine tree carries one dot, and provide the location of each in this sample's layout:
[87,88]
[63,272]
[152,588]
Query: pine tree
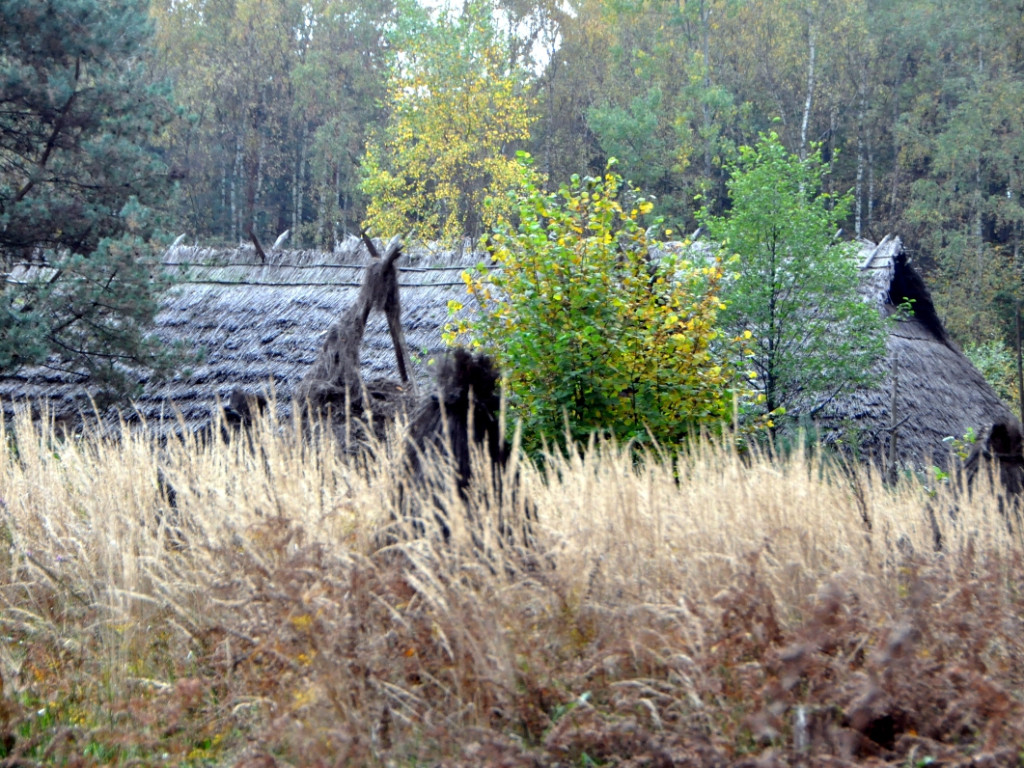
[77,187]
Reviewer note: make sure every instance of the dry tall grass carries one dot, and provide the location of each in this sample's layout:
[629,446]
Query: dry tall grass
[713,611]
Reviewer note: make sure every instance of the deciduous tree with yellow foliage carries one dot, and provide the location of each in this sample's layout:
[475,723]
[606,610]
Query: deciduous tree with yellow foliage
[596,328]
[456,111]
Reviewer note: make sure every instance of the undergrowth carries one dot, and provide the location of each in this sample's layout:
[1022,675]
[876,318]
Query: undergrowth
[719,610]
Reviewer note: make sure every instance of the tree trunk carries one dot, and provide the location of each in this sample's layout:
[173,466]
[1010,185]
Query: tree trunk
[871,179]
[862,108]
[339,203]
[236,219]
[812,33]
[257,196]
[705,15]
[896,153]
[298,176]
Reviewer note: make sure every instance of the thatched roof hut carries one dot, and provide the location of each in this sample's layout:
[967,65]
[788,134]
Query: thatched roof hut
[939,394]
[259,326]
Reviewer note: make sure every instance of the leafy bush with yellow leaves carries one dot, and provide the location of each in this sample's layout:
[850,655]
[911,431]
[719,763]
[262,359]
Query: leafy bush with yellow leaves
[596,328]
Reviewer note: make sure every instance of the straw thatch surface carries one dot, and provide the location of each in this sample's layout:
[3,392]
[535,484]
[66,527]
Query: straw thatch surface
[939,393]
[261,326]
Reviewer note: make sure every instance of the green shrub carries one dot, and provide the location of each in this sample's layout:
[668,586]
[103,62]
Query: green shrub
[593,333]
[995,361]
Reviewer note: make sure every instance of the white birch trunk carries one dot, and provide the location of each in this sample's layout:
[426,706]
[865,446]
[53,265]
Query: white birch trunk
[871,179]
[859,185]
[236,222]
[812,33]
[296,175]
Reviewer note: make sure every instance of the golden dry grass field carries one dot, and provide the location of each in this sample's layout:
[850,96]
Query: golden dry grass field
[716,610]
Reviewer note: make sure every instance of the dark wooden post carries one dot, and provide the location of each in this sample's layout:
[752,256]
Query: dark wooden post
[894,425]
[1020,365]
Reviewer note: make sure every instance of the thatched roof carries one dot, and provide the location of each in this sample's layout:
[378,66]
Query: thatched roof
[260,326]
[939,393]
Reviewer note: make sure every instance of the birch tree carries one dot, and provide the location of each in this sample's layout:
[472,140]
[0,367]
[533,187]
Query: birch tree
[456,113]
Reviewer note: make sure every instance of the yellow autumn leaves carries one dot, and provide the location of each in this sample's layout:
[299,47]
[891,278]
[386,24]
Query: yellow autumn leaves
[597,328]
[456,110]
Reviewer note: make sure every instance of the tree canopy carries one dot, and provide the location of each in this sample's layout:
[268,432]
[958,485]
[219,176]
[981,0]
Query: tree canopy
[796,288]
[309,115]
[593,333]
[78,113]
[455,112]
[915,103]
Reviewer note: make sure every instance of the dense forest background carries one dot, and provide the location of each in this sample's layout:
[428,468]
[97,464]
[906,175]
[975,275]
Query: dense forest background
[919,104]
[322,117]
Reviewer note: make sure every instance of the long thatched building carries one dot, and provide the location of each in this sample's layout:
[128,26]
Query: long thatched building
[258,326]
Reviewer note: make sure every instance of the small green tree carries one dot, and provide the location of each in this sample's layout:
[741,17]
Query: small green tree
[797,288]
[78,278]
[588,327]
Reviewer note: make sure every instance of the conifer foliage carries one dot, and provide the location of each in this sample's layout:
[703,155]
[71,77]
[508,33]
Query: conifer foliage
[77,182]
